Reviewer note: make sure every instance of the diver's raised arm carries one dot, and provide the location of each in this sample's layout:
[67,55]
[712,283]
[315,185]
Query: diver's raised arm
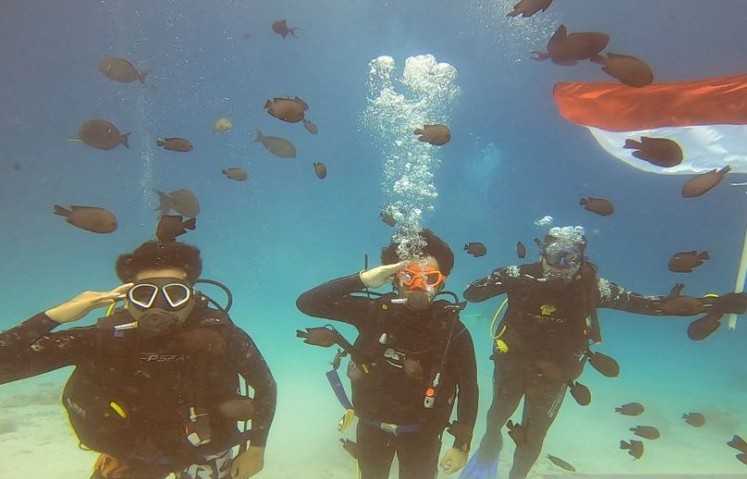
[613,296]
[487,287]
[79,306]
[31,348]
[334,300]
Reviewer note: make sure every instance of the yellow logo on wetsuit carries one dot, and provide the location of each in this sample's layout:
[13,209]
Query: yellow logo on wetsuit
[547,309]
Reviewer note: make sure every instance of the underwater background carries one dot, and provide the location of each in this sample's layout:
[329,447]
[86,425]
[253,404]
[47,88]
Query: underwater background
[512,159]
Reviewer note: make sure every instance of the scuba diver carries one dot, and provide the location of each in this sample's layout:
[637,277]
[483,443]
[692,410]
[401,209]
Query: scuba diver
[412,360]
[155,389]
[542,343]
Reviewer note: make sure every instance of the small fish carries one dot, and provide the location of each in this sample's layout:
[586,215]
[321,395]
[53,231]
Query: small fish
[580,393]
[568,49]
[321,170]
[89,218]
[600,206]
[246,36]
[475,249]
[646,432]
[701,328]
[527,8]
[687,261]
[606,365]
[635,448]
[629,70]
[387,217]
[318,336]
[16,166]
[102,134]
[695,419]
[277,146]
[738,443]
[182,201]
[703,183]
[742,458]
[236,174]
[682,306]
[175,144]
[281,28]
[171,226]
[521,250]
[310,127]
[222,125]
[657,151]
[287,109]
[631,409]
[120,70]
[434,134]
[561,463]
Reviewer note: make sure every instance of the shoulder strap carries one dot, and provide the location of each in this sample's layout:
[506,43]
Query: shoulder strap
[591,301]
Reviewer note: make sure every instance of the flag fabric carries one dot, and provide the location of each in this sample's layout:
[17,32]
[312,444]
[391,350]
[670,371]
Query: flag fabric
[707,118]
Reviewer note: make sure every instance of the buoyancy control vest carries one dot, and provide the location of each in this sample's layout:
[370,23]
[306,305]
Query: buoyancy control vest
[152,401]
[550,319]
[405,356]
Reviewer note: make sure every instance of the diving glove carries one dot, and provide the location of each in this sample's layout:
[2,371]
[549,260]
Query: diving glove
[730,303]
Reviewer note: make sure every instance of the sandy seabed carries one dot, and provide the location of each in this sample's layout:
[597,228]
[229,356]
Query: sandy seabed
[36,440]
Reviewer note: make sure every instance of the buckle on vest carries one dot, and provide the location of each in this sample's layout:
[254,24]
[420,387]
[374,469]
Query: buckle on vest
[390,428]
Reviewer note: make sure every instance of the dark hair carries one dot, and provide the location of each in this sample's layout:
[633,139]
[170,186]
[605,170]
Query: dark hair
[157,255]
[434,246]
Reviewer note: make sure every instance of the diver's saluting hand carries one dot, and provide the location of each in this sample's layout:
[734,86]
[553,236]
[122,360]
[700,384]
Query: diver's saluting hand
[86,302]
[380,275]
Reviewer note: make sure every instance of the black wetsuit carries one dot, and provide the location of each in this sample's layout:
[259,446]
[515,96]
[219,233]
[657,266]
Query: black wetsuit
[393,339]
[544,333]
[150,381]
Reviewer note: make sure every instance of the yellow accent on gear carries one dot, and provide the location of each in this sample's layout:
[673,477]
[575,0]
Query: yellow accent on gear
[347,419]
[500,345]
[711,295]
[118,409]
[497,313]
[548,309]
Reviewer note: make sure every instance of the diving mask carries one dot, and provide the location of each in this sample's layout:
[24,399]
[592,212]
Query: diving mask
[418,284]
[414,277]
[563,255]
[160,305]
[163,293]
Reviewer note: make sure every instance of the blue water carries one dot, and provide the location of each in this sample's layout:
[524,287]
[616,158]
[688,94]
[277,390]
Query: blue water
[512,160]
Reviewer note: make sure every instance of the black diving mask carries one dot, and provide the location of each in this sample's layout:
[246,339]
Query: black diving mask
[161,293]
[562,256]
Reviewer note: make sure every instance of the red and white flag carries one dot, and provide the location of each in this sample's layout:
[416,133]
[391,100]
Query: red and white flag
[707,118]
